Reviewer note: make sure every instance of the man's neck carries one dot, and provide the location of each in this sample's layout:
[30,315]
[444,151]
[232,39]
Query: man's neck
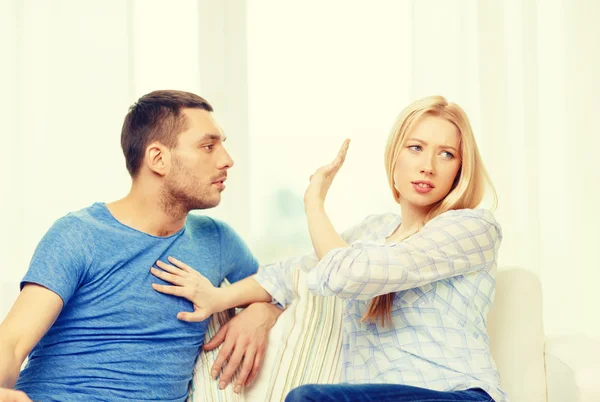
[146,213]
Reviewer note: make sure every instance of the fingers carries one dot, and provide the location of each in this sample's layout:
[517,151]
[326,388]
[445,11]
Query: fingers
[180,264]
[336,164]
[10,395]
[170,290]
[167,277]
[341,156]
[258,359]
[195,316]
[21,397]
[217,339]
[232,365]
[169,268]
[221,359]
[247,365]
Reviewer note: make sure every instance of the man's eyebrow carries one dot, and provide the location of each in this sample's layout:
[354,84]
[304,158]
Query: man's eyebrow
[213,137]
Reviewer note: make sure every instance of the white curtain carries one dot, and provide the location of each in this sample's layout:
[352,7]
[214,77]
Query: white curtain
[289,81]
[526,72]
[70,69]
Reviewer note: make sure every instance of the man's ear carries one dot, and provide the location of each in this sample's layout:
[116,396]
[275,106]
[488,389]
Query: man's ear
[158,158]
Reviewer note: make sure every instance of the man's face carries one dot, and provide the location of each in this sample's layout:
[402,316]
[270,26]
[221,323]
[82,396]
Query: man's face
[199,163]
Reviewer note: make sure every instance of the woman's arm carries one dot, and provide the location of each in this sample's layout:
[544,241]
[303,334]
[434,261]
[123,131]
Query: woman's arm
[207,299]
[279,279]
[242,293]
[455,243]
[272,283]
[322,233]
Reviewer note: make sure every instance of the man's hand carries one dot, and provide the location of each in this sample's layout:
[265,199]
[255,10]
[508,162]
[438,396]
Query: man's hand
[244,340]
[9,395]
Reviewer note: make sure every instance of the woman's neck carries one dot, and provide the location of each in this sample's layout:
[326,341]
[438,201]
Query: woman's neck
[412,219]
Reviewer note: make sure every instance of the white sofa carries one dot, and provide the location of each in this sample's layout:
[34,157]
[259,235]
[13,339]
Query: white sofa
[534,368]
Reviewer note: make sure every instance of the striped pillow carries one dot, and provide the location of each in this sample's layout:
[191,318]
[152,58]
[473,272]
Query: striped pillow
[305,347]
[310,351]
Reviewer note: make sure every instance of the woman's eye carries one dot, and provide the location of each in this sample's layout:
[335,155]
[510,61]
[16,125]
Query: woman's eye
[447,155]
[415,148]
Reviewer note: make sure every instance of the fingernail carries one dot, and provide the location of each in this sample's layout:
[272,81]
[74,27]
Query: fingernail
[237,389]
[214,374]
[222,385]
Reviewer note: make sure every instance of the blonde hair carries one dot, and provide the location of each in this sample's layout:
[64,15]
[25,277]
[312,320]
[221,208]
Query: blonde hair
[467,190]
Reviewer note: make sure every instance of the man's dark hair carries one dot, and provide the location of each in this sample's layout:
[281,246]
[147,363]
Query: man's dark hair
[156,117]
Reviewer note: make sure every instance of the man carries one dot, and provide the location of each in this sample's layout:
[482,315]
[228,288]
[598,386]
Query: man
[87,312]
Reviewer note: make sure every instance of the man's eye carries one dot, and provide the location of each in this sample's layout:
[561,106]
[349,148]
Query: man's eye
[209,147]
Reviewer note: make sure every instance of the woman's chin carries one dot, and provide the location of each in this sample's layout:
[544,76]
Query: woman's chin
[421,202]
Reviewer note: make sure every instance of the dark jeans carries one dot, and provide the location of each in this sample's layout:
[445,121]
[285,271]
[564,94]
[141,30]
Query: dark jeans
[380,393]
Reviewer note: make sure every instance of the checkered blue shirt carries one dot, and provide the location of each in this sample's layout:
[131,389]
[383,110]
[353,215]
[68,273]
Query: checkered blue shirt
[444,280]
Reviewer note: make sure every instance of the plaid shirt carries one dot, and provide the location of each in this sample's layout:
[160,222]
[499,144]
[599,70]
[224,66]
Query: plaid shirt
[444,280]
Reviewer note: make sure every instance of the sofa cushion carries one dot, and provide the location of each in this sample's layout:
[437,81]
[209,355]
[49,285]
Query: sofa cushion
[517,335]
[304,348]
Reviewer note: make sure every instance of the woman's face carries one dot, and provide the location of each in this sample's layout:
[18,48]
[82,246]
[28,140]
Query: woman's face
[427,163]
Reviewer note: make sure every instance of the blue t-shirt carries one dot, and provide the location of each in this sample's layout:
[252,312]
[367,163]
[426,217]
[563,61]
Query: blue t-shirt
[116,338]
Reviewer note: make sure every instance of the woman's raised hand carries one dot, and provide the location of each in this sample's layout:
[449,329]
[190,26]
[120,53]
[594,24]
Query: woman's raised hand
[321,180]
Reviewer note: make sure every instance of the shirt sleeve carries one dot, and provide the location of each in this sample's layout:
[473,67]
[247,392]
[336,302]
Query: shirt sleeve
[454,243]
[237,262]
[61,258]
[278,279]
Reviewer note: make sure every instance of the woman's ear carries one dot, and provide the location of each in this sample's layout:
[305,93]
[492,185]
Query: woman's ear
[158,158]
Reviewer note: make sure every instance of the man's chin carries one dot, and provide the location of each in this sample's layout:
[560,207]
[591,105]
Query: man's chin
[207,204]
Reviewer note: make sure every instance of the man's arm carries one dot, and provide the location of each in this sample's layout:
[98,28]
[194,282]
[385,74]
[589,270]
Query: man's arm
[33,313]
[244,340]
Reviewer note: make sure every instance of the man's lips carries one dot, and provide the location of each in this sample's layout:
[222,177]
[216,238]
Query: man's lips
[220,183]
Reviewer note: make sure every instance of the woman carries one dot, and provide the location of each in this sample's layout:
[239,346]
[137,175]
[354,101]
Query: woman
[418,286]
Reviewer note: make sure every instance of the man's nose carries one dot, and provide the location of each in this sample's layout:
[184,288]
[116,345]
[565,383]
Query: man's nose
[226,161]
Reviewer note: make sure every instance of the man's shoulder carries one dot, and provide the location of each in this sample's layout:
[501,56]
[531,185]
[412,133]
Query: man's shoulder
[73,221]
[203,226]
[201,223]
[207,223]
[206,227]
